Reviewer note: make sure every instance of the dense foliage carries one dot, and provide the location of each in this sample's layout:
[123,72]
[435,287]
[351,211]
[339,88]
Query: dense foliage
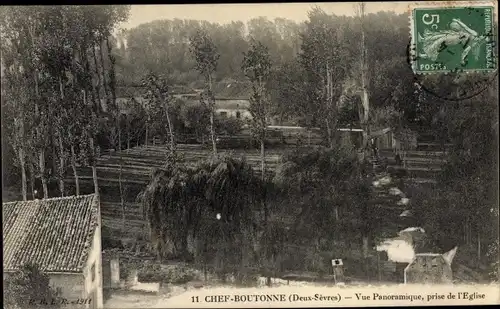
[58,82]
[463,208]
[29,288]
[213,203]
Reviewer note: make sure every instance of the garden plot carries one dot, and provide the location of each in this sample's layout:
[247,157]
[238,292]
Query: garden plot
[136,164]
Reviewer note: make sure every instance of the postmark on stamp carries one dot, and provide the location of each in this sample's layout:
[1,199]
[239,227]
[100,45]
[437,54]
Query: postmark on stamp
[452,39]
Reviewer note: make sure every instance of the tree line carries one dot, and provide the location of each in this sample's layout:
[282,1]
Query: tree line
[58,87]
[299,80]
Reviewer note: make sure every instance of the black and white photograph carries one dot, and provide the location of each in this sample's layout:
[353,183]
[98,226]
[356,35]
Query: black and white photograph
[250,155]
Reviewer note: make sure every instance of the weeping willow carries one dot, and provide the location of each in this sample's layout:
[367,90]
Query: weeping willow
[214,203]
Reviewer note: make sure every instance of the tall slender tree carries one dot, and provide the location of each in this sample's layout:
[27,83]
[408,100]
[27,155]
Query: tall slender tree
[257,67]
[364,110]
[159,100]
[206,55]
[322,60]
[16,103]
[364,78]
[33,28]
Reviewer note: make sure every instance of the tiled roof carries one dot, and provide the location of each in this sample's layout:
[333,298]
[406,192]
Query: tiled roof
[55,233]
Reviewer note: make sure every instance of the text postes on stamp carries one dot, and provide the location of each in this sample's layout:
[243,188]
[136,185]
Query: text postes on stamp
[452,39]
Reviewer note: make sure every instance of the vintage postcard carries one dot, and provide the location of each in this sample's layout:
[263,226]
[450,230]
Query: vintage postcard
[250,155]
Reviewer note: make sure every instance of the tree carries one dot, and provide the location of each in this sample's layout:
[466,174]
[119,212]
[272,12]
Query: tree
[189,199]
[29,287]
[206,55]
[323,59]
[41,105]
[257,66]
[21,28]
[321,186]
[286,86]
[93,25]
[57,64]
[196,119]
[135,122]
[16,104]
[159,100]
[454,211]
[365,103]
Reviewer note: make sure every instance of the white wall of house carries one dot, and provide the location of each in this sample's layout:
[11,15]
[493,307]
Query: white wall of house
[244,114]
[69,285]
[93,270]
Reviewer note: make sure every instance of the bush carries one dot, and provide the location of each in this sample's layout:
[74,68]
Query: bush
[228,126]
[172,274]
[28,283]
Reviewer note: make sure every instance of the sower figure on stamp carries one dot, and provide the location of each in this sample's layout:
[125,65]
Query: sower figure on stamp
[435,41]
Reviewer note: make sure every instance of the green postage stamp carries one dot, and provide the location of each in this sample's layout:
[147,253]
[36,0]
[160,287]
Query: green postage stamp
[452,39]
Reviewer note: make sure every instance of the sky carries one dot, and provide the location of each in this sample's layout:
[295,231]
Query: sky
[225,13]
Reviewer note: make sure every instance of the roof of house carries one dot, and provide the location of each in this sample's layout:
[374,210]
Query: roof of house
[54,233]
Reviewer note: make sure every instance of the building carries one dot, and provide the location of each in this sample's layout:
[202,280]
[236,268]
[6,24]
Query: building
[231,99]
[61,235]
[433,268]
[228,108]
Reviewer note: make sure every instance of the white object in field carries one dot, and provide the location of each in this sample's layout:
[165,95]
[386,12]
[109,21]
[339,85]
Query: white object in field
[376,183]
[396,191]
[337,262]
[404,201]
[398,250]
[406,213]
[218,216]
